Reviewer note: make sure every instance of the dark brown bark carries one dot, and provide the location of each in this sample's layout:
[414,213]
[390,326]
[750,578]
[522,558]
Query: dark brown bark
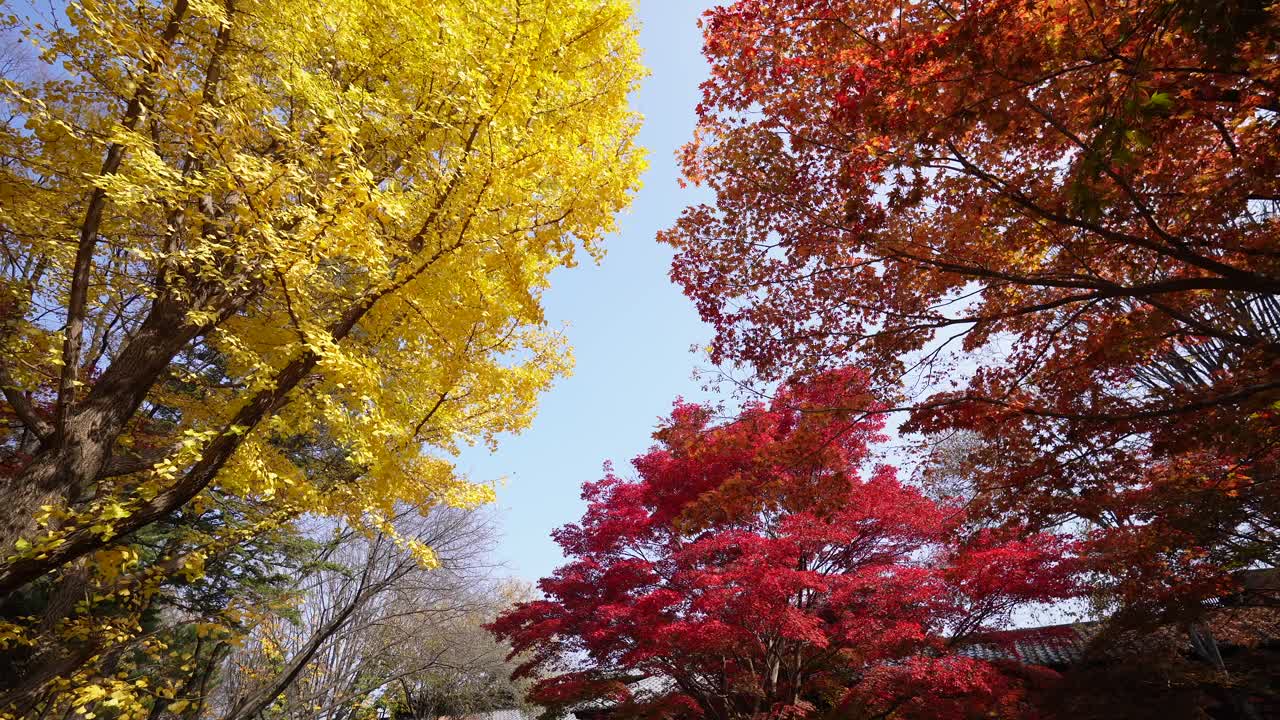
[63,469]
[22,407]
[30,690]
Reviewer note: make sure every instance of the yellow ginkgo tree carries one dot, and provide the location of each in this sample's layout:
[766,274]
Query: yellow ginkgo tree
[281,254]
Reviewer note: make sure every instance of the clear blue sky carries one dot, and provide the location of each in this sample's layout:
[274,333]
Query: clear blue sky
[631,329]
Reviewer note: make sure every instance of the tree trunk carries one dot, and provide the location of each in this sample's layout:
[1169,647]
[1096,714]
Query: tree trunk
[70,463]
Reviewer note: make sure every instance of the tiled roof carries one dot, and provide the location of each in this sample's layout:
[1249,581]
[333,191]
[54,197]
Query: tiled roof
[509,714]
[1055,645]
[1244,619]
[506,714]
[1060,645]
[649,685]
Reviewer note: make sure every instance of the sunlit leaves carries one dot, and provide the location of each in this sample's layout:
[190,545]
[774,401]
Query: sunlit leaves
[328,226]
[763,566]
[1052,224]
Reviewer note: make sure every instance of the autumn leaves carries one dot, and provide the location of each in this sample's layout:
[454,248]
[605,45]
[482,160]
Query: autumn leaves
[1049,225]
[1042,232]
[766,566]
[309,267]
[272,260]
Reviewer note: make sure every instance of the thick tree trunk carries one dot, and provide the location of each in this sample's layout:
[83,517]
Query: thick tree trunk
[25,693]
[69,464]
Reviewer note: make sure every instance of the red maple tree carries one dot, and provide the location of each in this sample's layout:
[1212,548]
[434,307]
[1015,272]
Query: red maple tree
[1080,196]
[761,568]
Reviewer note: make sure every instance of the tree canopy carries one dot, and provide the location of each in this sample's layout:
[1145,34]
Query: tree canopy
[271,258]
[1049,224]
[764,567]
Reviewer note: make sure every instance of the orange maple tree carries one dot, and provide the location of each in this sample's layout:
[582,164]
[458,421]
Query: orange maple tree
[1057,217]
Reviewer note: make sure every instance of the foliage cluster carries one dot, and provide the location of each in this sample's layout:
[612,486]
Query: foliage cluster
[765,568]
[1047,226]
[1046,234]
[263,261]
